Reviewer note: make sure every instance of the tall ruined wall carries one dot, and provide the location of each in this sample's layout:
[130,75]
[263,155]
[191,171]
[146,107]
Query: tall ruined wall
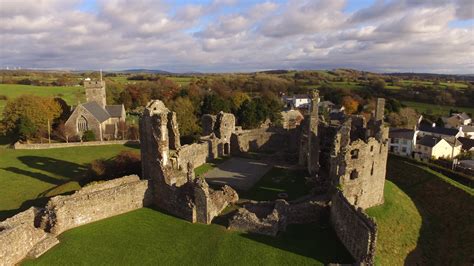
[358,162]
[356,230]
[96,202]
[18,235]
[265,139]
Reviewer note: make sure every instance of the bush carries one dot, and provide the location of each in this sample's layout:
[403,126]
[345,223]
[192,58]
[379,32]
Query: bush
[125,163]
[88,135]
[3,97]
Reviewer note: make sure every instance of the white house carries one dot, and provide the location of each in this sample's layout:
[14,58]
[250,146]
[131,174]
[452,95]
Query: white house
[402,141]
[429,147]
[425,129]
[297,101]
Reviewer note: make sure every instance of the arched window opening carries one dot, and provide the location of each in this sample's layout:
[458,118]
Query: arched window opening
[82,124]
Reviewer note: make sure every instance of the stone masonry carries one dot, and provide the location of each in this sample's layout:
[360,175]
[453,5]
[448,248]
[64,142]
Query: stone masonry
[32,232]
[175,188]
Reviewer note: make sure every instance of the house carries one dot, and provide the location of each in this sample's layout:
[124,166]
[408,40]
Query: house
[468,131]
[431,147]
[297,101]
[467,144]
[425,129]
[456,120]
[95,115]
[402,141]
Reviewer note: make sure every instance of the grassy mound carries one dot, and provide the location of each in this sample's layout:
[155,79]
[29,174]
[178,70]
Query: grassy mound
[446,233]
[146,236]
[28,177]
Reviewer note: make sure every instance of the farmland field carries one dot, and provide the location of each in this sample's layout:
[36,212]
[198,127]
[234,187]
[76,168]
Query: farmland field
[436,109]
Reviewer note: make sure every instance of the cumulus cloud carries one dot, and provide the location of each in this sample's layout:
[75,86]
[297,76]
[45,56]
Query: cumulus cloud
[223,35]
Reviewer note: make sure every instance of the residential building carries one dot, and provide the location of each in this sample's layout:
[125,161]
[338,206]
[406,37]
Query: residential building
[467,144]
[457,120]
[431,147]
[297,101]
[425,129]
[402,141]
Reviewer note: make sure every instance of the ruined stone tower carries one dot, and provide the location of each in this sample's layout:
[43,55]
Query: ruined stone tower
[95,91]
[359,158]
[313,140]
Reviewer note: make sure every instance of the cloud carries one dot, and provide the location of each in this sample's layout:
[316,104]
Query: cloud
[405,35]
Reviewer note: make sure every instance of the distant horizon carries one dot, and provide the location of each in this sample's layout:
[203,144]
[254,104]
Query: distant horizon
[233,72]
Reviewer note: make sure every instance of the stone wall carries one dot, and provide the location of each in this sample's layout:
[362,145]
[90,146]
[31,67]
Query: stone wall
[18,235]
[356,230]
[265,140]
[33,232]
[199,153]
[39,146]
[92,123]
[96,202]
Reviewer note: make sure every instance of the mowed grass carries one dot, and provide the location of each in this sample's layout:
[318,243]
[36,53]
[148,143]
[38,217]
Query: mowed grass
[206,167]
[426,218]
[150,237]
[28,177]
[435,109]
[279,180]
[70,94]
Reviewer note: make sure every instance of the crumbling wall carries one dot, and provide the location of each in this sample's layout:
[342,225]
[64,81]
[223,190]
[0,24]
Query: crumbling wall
[271,217]
[356,230]
[199,153]
[208,123]
[358,162]
[96,202]
[18,235]
[263,139]
[209,203]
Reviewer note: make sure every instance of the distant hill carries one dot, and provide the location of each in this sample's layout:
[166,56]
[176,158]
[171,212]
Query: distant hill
[143,70]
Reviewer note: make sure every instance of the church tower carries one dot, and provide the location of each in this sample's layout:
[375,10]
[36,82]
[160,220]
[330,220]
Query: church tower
[95,91]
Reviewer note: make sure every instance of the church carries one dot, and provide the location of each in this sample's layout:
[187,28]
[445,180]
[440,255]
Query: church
[95,114]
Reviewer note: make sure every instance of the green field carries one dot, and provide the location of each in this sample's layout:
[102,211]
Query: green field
[28,177]
[70,94]
[149,237]
[424,213]
[434,109]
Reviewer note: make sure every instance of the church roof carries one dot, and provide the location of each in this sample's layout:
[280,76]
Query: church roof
[97,111]
[114,110]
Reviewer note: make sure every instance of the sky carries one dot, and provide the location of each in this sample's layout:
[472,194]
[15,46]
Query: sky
[435,36]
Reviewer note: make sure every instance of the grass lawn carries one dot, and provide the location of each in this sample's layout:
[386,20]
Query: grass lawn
[436,109]
[279,180]
[206,167]
[28,177]
[442,218]
[149,237]
[69,94]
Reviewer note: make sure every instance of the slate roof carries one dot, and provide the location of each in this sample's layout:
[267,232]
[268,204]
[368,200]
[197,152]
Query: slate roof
[97,111]
[462,116]
[467,128]
[439,130]
[401,133]
[467,143]
[114,110]
[428,141]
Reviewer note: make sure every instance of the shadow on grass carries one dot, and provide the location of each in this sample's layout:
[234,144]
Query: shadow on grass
[54,166]
[317,241]
[447,214]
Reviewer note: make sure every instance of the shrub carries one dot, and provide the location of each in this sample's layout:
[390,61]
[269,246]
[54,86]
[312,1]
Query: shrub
[88,135]
[125,163]
[3,97]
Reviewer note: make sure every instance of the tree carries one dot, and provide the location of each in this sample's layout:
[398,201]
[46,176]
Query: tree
[247,115]
[239,97]
[37,110]
[26,128]
[213,104]
[186,116]
[64,132]
[378,84]
[350,104]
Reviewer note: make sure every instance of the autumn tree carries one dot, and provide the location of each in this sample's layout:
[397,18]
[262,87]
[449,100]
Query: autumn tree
[64,132]
[350,104]
[239,97]
[186,116]
[34,111]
